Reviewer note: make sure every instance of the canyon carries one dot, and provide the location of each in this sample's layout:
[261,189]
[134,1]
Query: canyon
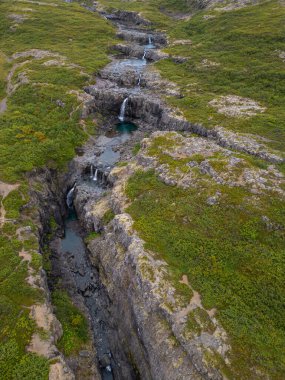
[149,188]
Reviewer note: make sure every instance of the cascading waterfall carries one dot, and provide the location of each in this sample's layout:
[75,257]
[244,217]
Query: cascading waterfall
[149,40]
[95,177]
[139,80]
[123,110]
[69,197]
[144,54]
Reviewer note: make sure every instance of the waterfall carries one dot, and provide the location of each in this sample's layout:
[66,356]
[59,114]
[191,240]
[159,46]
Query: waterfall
[95,177]
[91,171]
[149,40]
[122,110]
[144,54]
[69,197]
[139,80]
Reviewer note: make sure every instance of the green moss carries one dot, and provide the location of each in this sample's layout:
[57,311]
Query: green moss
[108,216]
[136,149]
[37,261]
[9,228]
[27,139]
[245,44]
[122,164]
[53,224]
[14,366]
[13,203]
[74,324]
[91,236]
[229,256]
[31,243]
[46,259]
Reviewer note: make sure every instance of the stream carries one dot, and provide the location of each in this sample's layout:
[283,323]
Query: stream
[88,285]
[71,262]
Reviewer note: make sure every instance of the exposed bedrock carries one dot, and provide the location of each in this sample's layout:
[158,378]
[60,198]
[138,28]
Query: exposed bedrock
[148,315]
[114,76]
[91,295]
[141,326]
[132,18]
[142,37]
[137,51]
[150,109]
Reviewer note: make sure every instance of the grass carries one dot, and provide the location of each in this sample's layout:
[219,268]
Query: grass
[91,236]
[26,135]
[108,216]
[3,74]
[230,258]
[245,44]
[40,128]
[74,324]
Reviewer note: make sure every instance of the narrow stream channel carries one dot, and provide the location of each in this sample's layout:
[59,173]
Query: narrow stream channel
[87,282]
[70,252]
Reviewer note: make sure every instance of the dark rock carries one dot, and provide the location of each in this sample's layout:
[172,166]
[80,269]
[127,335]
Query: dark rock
[104,360]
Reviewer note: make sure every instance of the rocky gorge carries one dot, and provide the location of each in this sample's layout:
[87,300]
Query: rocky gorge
[147,164]
[123,290]
[138,318]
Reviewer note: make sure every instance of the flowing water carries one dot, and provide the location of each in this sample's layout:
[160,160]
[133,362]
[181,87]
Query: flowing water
[123,110]
[69,197]
[87,282]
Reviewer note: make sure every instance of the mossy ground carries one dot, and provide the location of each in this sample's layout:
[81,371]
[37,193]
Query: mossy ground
[229,256]
[74,324]
[36,131]
[245,45]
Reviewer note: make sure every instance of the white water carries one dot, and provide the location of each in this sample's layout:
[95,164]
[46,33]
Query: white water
[95,177]
[144,54]
[69,197]
[149,40]
[123,110]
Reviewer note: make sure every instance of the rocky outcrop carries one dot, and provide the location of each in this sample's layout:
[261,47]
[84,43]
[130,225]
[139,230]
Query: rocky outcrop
[145,307]
[42,206]
[132,18]
[142,37]
[229,169]
[152,110]
[138,51]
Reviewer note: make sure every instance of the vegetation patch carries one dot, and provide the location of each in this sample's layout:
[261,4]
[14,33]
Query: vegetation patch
[91,236]
[230,257]
[74,324]
[244,43]
[108,216]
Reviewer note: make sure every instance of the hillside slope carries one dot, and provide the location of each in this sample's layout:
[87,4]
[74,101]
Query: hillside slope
[47,55]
